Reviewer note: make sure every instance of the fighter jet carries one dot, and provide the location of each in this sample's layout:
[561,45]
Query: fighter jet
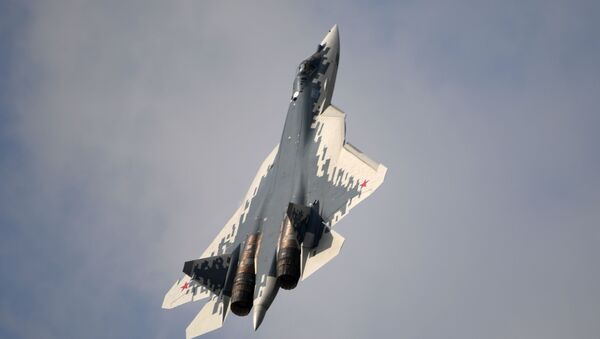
[283,230]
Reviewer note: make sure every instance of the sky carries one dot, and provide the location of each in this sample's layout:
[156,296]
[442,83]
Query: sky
[130,131]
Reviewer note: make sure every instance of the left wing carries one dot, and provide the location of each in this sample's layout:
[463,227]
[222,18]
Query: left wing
[185,289]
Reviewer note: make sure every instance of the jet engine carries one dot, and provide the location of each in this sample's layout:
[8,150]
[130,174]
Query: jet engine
[288,256]
[242,293]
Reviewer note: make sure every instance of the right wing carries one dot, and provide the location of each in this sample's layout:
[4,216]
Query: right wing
[185,289]
[344,177]
[210,318]
[360,173]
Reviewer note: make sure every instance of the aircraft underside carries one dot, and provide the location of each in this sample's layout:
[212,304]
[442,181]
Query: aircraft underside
[283,231]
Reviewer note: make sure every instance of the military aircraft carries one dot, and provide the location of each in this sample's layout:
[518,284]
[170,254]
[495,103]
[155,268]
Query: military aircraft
[283,231]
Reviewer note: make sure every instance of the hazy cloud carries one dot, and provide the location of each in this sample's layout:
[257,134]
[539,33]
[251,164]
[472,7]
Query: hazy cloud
[130,131]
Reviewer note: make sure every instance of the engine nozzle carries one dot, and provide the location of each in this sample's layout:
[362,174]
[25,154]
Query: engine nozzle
[242,293]
[288,256]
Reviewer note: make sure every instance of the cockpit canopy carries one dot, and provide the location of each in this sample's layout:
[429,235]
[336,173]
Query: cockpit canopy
[308,66]
[305,67]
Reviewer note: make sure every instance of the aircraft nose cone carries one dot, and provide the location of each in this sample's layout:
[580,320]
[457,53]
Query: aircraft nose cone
[259,315]
[332,38]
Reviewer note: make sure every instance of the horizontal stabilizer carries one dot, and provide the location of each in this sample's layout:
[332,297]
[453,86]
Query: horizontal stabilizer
[210,318]
[329,247]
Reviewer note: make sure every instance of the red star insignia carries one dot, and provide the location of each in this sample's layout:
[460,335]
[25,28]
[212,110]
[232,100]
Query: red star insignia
[364,184]
[185,286]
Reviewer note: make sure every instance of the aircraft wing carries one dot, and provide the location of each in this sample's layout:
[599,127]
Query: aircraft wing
[357,171]
[185,289]
[344,177]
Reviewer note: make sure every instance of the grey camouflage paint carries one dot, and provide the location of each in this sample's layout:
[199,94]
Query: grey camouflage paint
[294,174]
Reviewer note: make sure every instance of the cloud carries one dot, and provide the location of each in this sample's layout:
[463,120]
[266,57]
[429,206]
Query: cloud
[132,130]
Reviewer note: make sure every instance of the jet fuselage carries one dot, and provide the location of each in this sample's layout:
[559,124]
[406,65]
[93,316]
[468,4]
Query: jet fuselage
[312,90]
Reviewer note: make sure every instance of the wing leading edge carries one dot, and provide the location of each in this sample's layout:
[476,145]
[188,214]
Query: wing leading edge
[344,178]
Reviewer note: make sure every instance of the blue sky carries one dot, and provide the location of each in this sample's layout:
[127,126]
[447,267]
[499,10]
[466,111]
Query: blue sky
[129,132]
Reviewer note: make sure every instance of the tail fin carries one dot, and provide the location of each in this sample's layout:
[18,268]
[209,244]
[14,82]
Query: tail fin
[202,276]
[209,272]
